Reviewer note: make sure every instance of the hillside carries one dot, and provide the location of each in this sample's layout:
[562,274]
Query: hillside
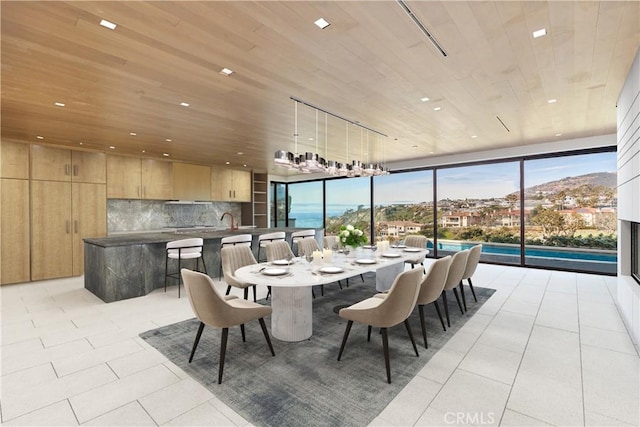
[598,179]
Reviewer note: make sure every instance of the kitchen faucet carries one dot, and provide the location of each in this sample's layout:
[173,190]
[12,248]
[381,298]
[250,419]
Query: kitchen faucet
[233,227]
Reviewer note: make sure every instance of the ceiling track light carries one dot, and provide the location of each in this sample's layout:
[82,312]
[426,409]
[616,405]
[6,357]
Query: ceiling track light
[311,162]
[422,28]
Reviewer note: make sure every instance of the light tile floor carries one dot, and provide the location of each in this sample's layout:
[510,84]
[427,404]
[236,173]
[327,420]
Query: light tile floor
[548,348]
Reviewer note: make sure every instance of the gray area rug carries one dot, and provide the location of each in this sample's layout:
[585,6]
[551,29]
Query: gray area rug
[304,384]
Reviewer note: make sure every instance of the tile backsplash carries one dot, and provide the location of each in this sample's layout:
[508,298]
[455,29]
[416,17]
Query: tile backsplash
[138,215]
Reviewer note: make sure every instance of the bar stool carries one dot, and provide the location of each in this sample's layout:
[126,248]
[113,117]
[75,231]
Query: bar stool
[265,239]
[183,249]
[238,240]
[299,235]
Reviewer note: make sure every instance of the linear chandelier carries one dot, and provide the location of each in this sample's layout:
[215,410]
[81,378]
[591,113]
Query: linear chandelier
[311,162]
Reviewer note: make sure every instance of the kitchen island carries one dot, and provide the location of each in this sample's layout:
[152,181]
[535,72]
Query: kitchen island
[132,265]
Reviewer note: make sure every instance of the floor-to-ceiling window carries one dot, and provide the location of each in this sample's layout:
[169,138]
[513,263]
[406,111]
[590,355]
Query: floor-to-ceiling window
[571,212]
[348,201]
[403,205]
[278,204]
[305,204]
[480,204]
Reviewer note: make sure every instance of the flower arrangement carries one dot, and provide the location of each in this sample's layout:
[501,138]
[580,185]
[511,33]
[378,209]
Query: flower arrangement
[351,236]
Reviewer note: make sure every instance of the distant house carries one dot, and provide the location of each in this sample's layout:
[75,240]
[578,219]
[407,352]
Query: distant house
[460,219]
[509,218]
[398,228]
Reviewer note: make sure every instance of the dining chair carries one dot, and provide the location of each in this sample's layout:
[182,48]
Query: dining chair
[296,236]
[213,309]
[267,238]
[277,250]
[431,288]
[180,250]
[469,270]
[415,241]
[234,257]
[236,240]
[454,276]
[331,242]
[308,246]
[386,312]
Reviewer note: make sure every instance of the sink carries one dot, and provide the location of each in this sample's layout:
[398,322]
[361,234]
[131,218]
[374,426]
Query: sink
[246,227]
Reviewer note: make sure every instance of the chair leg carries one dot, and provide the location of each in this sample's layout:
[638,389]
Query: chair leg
[446,307]
[385,350]
[242,331]
[246,293]
[321,290]
[369,333]
[464,300]
[413,341]
[344,338]
[220,270]
[204,266]
[362,277]
[422,324]
[179,276]
[340,284]
[166,272]
[268,292]
[472,290]
[254,293]
[195,343]
[266,335]
[228,290]
[223,352]
[439,314]
[455,292]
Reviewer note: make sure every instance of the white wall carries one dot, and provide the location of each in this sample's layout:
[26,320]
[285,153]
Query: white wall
[628,136]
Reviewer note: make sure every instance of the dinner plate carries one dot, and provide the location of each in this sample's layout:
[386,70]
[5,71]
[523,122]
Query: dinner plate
[412,249]
[365,261]
[367,247]
[399,246]
[330,270]
[274,271]
[280,262]
[390,255]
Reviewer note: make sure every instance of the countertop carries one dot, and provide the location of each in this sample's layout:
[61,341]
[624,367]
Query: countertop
[164,237]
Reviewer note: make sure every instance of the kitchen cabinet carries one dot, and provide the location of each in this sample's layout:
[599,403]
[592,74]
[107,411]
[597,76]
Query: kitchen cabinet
[59,164]
[230,185]
[15,160]
[191,182]
[14,251]
[62,214]
[135,178]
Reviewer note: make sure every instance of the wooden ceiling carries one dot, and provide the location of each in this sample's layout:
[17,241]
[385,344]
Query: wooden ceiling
[372,65]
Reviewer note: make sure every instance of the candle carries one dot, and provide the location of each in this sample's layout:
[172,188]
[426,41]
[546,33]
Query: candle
[327,254]
[317,257]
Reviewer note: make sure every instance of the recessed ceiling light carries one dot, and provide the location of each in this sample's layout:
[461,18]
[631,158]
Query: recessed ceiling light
[144,151]
[165,154]
[109,25]
[58,104]
[184,104]
[437,108]
[474,136]
[424,99]
[239,153]
[539,33]
[558,134]
[112,147]
[322,23]
[227,163]
[40,137]
[551,101]
[168,140]
[82,143]
[226,72]
[132,133]
[244,166]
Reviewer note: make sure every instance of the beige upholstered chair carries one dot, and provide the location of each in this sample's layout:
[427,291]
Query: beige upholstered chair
[470,269]
[307,246]
[296,236]
[234,257]
[415,241]
[235,240]
[456,270]
[279,249]
[431,288]
[212,309]
[331,242]
[265,239]
[386,312]
[181,250]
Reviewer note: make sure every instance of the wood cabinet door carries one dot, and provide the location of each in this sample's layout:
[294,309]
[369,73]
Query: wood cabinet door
[51,230]
[221,184]
[14,262]
[241,186]
[50,164]
[89,167]
[123,177]
[157,179]
[191,182]
[89,208]
[15,160]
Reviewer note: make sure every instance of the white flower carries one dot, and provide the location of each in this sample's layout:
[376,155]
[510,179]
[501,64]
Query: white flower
[346,233]
[344,240]
[350,227]
[359,232]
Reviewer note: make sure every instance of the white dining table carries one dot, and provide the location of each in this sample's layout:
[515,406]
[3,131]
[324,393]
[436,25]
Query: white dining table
[291,296]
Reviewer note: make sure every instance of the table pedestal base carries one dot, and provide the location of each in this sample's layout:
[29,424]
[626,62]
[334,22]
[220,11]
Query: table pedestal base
[291,319]
[386,275]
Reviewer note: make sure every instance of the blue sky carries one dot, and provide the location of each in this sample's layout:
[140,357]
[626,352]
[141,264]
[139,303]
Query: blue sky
[483,181]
